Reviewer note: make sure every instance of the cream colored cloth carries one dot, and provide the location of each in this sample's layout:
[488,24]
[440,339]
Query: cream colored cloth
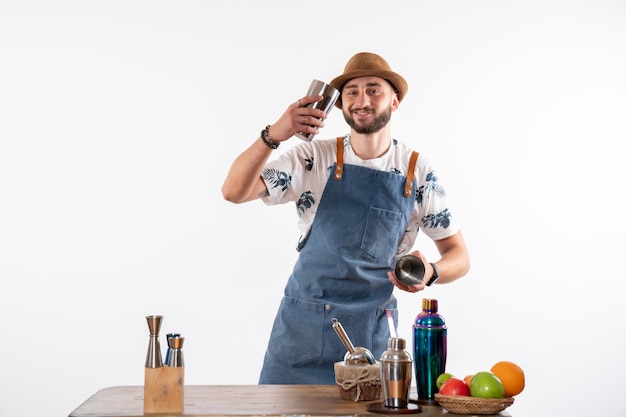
[350,376]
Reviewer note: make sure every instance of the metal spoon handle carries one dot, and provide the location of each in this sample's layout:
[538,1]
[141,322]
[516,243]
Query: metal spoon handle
[342,335]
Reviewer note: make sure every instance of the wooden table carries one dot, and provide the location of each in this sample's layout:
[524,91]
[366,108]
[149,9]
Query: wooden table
[240,400]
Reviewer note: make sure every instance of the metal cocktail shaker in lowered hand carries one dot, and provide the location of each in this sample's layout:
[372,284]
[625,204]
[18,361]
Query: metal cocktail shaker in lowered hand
[409,270]
[396,373]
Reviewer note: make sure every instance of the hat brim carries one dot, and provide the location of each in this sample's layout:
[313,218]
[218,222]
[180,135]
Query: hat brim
[396,80]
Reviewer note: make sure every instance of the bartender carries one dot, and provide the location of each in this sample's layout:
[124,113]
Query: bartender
[361,199]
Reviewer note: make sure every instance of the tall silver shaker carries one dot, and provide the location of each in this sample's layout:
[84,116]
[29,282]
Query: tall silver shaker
[396,373]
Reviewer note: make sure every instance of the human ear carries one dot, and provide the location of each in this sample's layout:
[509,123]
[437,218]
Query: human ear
[395,102]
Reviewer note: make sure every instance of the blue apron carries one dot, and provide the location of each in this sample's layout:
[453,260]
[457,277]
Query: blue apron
[341,272]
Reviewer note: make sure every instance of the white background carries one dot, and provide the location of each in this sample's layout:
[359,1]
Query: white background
[118,123]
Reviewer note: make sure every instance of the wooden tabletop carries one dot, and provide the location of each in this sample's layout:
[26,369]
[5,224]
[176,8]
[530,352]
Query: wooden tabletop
[240,400]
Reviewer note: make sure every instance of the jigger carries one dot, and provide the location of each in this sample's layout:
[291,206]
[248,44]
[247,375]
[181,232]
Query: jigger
[355,355]
[175,358]
[169,348]
[153,358]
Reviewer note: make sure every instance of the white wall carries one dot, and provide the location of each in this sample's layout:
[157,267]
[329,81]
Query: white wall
[118,122]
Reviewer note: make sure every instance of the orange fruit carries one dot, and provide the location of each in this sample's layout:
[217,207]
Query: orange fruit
[468,379]
[512,377]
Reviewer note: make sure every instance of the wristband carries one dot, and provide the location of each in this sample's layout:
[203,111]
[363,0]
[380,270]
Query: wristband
[435,275]
[265,137]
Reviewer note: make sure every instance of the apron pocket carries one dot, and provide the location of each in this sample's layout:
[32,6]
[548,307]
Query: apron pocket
[383,230]
[297,321]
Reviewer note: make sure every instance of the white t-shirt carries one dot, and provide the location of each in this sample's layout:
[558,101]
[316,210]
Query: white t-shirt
[300,174]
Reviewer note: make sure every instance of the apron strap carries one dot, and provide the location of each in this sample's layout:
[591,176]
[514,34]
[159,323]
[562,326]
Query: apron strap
[408,185]
[339,167]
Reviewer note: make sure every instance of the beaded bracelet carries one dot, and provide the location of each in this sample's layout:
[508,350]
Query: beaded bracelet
[265,137]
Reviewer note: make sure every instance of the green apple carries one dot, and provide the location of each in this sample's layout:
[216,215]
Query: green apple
[485,384]
[443,378]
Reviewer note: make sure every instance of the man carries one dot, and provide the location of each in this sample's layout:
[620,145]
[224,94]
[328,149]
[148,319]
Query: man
[361,200]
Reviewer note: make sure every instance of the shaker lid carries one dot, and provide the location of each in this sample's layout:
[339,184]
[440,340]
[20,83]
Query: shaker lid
[396,343]
[429,304]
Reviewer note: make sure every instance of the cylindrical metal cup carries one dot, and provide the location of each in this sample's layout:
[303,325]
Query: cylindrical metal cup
[330,93]
[409,270]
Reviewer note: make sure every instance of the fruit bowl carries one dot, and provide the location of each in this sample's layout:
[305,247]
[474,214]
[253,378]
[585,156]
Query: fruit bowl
[460,404]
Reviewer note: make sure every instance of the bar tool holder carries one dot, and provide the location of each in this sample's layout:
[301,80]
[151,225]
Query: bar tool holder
[163,384]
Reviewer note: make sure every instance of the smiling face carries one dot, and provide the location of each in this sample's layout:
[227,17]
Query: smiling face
[367,103]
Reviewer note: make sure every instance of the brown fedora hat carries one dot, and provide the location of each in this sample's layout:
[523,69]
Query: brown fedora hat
[366,64]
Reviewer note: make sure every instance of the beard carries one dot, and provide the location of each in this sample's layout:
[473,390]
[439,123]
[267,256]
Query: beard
[374,126]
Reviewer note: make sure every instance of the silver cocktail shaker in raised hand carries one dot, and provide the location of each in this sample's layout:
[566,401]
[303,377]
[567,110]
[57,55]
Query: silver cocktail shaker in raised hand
[330,94]
[396,373]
